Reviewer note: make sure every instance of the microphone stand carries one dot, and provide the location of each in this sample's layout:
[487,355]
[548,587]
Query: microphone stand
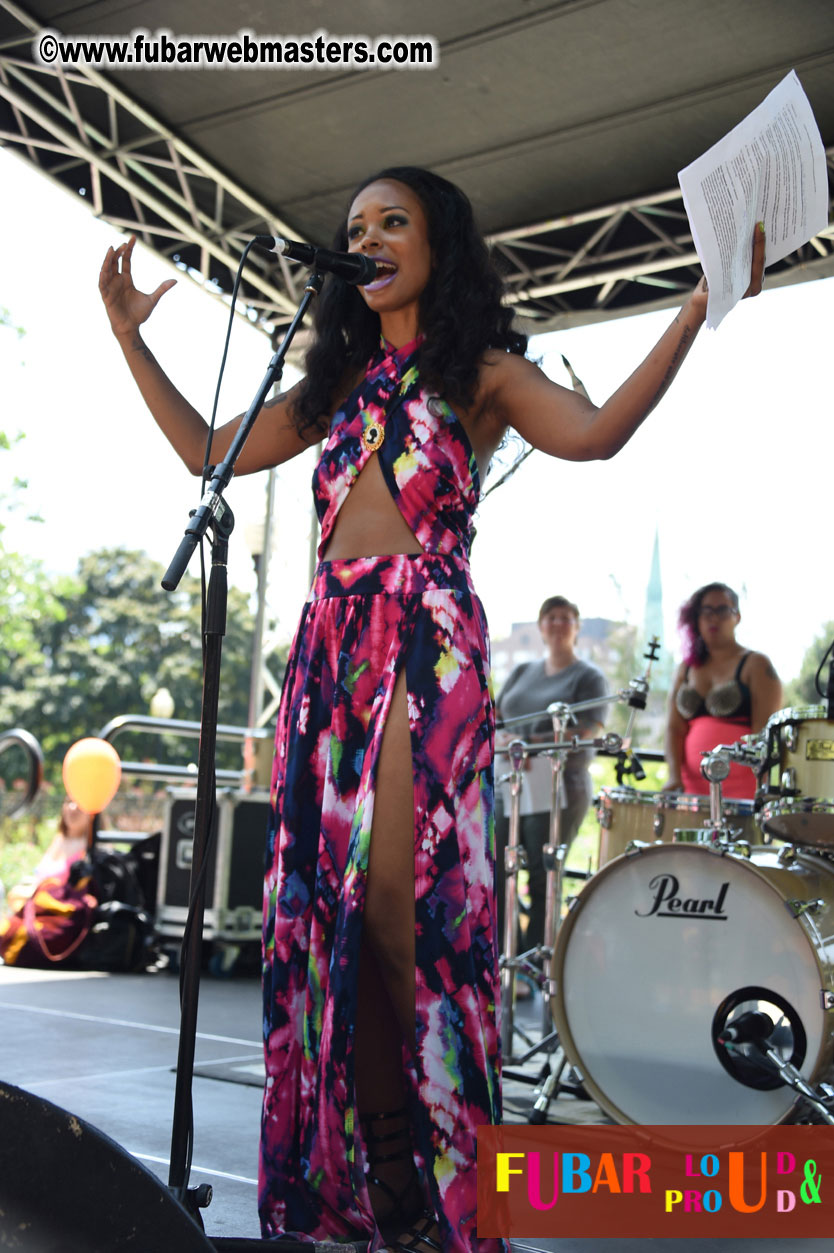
[213,513]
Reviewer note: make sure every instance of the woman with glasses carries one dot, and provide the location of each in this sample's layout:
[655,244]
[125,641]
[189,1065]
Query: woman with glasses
[722,691]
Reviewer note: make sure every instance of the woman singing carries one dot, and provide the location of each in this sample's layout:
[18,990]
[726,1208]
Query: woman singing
[380,952]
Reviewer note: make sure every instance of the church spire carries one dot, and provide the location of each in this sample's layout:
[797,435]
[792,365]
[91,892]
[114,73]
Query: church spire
[653,619]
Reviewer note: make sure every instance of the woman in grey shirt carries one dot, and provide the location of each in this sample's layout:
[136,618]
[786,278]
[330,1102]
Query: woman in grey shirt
[531,688]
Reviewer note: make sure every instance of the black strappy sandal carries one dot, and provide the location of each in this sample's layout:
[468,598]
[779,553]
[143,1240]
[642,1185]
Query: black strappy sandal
[403,1204]
[417,1239]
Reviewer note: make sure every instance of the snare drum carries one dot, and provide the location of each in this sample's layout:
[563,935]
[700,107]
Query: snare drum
[625,814]
[666,946]
[800,757]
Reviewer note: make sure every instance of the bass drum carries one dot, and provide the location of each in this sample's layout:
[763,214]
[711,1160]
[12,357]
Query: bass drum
[667,946]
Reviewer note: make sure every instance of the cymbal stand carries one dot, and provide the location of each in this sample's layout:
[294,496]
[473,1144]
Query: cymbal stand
[554,852]
[549,1043]
[554,856]
[515,858]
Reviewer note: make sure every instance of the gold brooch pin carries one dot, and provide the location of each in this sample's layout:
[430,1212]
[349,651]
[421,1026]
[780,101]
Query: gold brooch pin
[373,436]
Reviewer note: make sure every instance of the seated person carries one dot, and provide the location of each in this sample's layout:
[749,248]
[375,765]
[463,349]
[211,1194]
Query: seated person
[72,840]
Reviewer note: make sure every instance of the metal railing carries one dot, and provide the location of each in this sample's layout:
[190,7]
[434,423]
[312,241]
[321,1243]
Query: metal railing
[34,755]
[159,771]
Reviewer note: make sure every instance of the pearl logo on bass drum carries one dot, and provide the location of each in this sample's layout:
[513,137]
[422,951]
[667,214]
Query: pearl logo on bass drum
[668,902]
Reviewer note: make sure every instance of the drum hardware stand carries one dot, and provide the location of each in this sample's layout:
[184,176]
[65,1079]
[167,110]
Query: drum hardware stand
[554,855]
[515,860]
[819,1099]
[635,695]
[555,852]
[715,767]
[515,857]
[549,1079]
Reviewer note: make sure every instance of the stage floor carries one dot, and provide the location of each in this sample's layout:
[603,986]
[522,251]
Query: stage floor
[104,1047]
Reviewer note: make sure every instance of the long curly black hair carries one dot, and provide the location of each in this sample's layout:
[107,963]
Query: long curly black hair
[461,314]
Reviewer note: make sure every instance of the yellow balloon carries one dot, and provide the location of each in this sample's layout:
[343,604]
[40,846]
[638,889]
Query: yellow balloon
[92,771]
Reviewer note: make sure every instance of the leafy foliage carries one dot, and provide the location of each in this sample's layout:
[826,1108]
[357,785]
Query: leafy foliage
[802,690]
[88,649]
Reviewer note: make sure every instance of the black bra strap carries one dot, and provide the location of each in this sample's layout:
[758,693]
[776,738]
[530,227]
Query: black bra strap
[740,664]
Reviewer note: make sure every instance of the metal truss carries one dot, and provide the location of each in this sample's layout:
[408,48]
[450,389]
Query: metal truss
[137,174]
[621,259]
[91,136]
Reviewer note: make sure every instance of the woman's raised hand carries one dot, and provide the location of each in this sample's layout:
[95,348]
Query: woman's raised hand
[757,268]
[127,308]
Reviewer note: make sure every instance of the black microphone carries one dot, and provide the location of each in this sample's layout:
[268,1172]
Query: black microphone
[753,1027]
[351,267]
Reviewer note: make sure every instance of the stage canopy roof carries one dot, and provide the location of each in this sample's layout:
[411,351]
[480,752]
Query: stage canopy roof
[566,122]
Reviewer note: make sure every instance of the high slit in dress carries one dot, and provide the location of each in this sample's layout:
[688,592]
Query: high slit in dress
[366,621]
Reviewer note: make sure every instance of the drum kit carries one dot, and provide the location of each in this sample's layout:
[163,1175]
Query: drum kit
[691,980]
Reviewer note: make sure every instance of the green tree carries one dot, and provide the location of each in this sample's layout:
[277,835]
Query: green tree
[802,690]
[118,638]
[25,598]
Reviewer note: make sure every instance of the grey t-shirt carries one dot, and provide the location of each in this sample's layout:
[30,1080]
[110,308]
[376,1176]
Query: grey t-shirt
[530,689]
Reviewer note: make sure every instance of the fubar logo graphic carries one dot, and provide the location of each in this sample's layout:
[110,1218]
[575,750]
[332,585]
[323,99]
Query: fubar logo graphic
[651,1182]
[668,902]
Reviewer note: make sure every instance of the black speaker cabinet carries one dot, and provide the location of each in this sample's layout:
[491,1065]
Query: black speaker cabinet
[235,873]
[66,1187]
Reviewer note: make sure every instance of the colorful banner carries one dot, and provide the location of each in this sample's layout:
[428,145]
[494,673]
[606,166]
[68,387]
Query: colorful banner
[653,1182]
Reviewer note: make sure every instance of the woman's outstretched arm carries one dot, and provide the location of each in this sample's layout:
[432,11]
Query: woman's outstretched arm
[566,424]
[273,438]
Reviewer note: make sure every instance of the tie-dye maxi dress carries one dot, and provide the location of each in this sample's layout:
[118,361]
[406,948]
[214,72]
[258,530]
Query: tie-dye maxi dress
[366,620]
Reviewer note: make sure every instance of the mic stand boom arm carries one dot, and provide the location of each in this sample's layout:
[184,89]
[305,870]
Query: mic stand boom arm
[212,512]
